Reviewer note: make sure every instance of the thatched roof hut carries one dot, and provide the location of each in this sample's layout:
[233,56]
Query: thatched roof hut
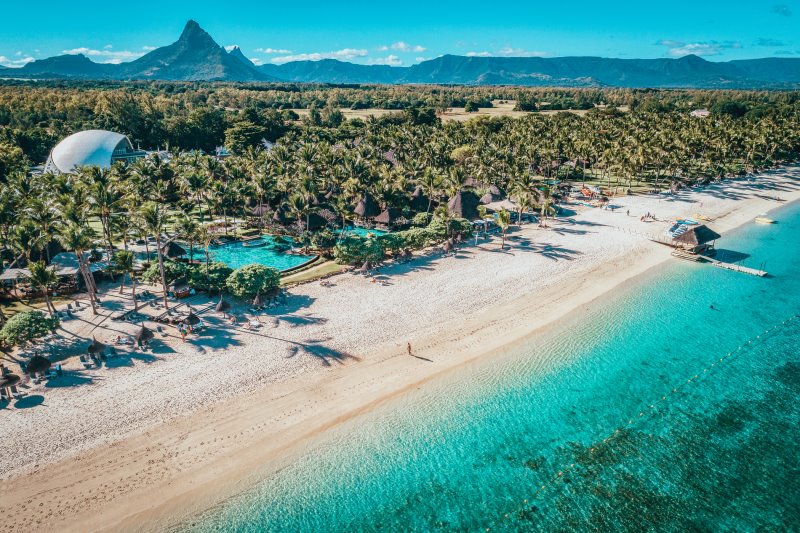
[9,380]
[222,305]
[143,335]
[96,347]
[38,364]
[367,207]
[191,319]
[697,238]
[464,204]
[260,210]
[419,201]
[173,249]
[315,222]
[389,216]
[280,215]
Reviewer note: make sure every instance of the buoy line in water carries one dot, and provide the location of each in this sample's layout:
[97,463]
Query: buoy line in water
[649,409]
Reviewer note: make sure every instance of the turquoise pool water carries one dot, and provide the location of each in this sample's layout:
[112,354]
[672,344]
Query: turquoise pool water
[237,255]
[364,232]
[717,454]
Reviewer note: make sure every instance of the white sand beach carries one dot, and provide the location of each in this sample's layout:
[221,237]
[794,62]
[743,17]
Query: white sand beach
[152,437]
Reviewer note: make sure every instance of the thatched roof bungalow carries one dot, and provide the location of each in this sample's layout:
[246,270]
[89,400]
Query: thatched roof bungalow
[367,207]
[697,239]
[464,204]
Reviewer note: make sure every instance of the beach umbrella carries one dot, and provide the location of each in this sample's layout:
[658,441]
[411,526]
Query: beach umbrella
[38,364]
[9,380]
[222,305]
[144,335]
[96,346]
[448,246]
[365,267]
[191,319]
[257,301]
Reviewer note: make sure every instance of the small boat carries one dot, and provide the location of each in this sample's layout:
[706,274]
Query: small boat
[763,219]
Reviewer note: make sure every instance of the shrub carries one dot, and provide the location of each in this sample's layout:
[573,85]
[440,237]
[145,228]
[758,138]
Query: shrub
[324,240]
[215,280]
[250,280]
[421,219]
[26,326]
[355,249]
[173,271]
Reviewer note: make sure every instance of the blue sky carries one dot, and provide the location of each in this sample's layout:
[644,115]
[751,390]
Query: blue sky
[404,33]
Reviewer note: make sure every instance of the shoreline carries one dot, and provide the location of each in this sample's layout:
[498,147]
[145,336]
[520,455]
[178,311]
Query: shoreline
[175,470]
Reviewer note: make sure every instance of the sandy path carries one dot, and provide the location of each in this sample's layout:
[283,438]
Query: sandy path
[144,443]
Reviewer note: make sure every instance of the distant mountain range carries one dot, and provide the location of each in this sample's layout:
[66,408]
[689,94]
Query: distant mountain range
[195,56]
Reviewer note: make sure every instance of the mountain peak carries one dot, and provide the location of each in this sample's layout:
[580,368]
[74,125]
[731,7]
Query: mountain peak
[237,54]
[194,34]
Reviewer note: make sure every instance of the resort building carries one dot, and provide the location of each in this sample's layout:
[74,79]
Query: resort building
[91,148]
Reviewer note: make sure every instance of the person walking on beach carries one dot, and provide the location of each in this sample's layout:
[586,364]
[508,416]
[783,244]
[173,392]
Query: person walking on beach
[408,348]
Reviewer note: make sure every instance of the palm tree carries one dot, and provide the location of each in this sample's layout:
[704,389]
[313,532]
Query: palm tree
[79,238]
[41,279]
[504,221]
[154,219]
[186,228]
[124,262]
[205,237]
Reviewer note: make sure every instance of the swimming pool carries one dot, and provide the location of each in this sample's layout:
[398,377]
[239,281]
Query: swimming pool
[363,232]
[238,254]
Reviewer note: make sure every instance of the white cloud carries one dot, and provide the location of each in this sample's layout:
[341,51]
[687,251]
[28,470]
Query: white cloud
[402,46]
[421,59]
[344,54]
[709,48]
[105,55]
[108,47]
[148,48]
[22,61]
[508,51]
[273,51]
[256,61]
[391,60]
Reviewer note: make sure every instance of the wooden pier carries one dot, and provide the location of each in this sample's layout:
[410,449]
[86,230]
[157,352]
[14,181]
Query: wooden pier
[719,264]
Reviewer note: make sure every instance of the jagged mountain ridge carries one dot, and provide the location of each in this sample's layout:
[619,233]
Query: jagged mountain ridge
[195,56]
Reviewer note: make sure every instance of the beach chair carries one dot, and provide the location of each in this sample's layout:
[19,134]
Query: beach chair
[14,392]
[254,324]
[85,362]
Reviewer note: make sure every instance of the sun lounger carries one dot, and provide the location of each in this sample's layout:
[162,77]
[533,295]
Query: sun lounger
[85,361]
[254,324]
[3,395]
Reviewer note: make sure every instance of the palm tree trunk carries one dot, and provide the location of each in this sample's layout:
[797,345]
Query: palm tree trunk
[122,283]
[163,277]
[50,307]
[133,290]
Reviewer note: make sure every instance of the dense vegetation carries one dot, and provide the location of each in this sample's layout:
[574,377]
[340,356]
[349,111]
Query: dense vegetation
[324,165]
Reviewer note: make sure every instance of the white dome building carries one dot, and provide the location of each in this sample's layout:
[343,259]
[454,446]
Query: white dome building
[91,148]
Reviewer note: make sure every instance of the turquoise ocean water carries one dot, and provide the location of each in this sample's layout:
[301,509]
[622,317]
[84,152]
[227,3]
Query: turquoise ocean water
[483,448]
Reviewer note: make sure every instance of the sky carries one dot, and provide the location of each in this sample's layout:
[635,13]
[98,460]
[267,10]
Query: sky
[407,32]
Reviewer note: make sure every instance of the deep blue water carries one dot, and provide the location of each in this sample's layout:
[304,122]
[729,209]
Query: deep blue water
[473,451]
